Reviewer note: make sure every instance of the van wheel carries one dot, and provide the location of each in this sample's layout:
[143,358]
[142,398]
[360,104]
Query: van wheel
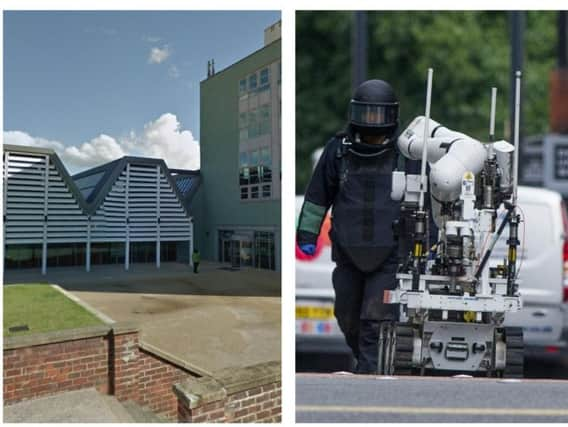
[515,356]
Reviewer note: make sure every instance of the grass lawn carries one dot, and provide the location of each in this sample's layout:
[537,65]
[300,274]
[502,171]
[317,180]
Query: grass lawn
[42,309]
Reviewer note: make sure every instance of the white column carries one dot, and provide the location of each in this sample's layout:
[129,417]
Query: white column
[191,241]
[45,213]
[126,211]
[158,216]
[88,254]
[6,166]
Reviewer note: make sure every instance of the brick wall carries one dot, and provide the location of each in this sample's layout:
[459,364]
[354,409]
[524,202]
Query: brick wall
[251,394]
[144,377]
[115,362]
[37,370]
[156,384]
[109,359]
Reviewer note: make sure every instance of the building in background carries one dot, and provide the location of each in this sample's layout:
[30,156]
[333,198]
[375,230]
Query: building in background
[127,211]
[238,215]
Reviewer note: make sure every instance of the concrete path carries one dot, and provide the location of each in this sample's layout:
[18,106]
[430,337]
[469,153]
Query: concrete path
[212,320]
[359,398]
[82,406]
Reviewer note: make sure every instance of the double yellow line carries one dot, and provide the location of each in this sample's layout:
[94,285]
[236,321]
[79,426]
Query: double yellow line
[535,412]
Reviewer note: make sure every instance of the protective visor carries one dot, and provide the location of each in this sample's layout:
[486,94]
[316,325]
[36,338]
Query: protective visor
[373,115]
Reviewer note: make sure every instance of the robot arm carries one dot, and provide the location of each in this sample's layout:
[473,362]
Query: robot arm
[450,154]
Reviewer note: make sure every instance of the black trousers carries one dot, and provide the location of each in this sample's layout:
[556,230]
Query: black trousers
[195,267]
[359,309]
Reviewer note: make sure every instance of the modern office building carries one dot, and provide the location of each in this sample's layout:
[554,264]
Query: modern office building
[238,216]
[127,211]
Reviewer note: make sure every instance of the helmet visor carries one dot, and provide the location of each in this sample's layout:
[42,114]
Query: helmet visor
[373,115]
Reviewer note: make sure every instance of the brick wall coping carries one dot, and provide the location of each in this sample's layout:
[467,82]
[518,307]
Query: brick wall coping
[174,360]
[121,328]
[195,392]
[53,337]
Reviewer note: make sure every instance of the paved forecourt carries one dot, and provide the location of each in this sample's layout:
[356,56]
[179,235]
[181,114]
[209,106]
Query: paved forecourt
[209,321]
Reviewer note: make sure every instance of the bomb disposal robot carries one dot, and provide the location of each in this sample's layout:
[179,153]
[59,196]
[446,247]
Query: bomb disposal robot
[452,303]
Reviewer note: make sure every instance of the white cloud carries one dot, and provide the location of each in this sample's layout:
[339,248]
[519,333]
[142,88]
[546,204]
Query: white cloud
[98,150]
[17,137]
[162,138]
[173,72]
[157,55]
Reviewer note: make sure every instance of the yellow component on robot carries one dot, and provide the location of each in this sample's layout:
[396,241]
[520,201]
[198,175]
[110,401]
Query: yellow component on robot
[418,250]
[512,254]
[469,316]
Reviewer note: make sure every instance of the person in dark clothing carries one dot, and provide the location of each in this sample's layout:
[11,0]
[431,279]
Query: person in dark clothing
[353,176]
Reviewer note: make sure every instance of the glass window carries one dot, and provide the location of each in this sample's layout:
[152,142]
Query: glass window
[252,124]
[246,252]
[265,157]
[243,134]
[143,252]
[244,176]
[264,77]
[265,112]
[243,120]
[23,256]
[244,192]
[265,124]
[254,178]
[65,254]
[242,86]
[264,249]
[243,159]
[266,174]
[266,191]
[169,251]
[254,159]
[107,253]
[254,192]
[252,82]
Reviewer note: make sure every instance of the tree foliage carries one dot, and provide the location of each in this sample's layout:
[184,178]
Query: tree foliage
[469,51]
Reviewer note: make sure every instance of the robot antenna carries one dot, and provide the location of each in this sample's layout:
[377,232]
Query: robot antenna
[423,183]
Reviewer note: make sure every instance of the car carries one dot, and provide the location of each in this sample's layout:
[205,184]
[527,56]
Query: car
[542,269]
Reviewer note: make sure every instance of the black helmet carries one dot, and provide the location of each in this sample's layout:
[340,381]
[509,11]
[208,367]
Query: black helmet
[374,109]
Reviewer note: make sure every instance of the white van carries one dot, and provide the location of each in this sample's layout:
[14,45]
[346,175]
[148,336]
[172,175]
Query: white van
[543,271]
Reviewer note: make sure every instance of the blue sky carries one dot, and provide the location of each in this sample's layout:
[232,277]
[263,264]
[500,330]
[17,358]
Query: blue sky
[72,77]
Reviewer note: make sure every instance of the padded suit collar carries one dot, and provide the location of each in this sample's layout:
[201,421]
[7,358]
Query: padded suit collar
[362,149]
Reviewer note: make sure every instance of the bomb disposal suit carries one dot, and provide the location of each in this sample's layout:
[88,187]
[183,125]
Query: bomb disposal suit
[353,176]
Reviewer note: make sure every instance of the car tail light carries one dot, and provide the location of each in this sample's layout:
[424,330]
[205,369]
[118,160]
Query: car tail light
[565,253]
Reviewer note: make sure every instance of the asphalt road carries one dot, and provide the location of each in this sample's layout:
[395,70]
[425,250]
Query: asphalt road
[357,398]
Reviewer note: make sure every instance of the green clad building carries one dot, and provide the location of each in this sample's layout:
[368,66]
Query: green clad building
[237,214]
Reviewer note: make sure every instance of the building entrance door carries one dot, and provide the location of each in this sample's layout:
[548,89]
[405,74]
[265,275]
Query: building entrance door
[237,250]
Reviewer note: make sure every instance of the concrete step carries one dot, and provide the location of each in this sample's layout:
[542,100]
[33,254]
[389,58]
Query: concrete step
[81,406]
[140,414]
[118,409]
